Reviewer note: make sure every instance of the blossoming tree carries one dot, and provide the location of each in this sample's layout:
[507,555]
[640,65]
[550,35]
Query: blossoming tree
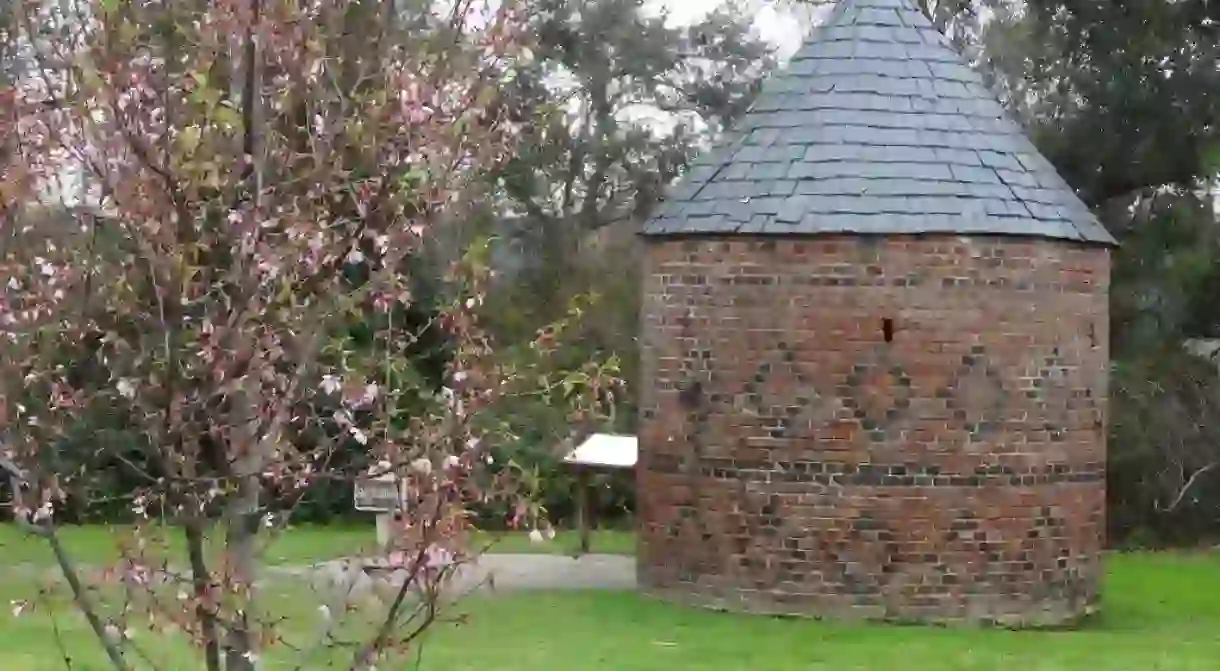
[252,179]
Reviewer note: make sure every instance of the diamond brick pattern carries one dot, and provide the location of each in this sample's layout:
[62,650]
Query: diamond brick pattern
[898,427]
[977,396]
[878,393]
[876,127]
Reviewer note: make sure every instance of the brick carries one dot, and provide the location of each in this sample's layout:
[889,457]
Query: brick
[953,473]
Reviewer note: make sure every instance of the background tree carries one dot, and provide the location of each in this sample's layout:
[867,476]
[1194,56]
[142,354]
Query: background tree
[1122,98]
[621,100]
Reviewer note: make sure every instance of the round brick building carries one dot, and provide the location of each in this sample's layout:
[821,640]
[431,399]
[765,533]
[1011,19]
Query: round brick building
[875,351]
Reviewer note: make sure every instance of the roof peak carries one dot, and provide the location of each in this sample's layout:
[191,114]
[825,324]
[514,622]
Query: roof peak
[901,6]
[876,126]
[898,15]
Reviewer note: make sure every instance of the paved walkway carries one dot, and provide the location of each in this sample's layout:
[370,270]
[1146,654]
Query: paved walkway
[525,571]
[492,573]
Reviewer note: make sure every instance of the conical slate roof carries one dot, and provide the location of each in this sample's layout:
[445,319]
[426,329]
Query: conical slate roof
[877,126]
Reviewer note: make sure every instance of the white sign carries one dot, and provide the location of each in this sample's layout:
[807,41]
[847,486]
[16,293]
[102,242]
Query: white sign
[606,450]
[380,494]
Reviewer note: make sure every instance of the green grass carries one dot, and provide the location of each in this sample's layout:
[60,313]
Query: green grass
[297,546]
[1161,612]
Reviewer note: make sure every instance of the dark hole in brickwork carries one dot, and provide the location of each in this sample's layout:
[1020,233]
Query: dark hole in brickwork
[691,395]
[887,329]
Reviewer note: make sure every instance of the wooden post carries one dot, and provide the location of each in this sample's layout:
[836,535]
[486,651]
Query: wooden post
[383,531]
[583,511]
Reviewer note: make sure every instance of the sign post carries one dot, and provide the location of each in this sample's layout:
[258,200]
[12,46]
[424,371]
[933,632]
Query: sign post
[599,451]
[382,495]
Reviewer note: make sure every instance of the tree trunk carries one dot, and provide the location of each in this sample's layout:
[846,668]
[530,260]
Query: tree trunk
[248,457]
[247,449]
[240,541]
[201,579]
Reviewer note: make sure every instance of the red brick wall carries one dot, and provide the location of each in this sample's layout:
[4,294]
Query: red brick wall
[794,461]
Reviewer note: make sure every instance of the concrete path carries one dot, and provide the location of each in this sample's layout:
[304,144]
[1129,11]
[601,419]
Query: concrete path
[553,572]
[492,572]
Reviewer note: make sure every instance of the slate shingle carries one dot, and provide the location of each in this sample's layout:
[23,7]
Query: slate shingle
[876,126]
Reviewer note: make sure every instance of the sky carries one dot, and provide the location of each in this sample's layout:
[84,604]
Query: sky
[774,23]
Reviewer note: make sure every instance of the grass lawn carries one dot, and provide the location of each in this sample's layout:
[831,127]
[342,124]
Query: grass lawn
[298,546]
[1160,612]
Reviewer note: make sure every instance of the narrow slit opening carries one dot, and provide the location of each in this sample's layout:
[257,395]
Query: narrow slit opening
[887,329]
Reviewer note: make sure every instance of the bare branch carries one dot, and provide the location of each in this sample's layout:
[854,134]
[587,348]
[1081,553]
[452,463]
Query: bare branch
[82,597]
[1188,486]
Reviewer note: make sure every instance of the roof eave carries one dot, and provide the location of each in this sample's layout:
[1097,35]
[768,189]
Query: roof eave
[689,234]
